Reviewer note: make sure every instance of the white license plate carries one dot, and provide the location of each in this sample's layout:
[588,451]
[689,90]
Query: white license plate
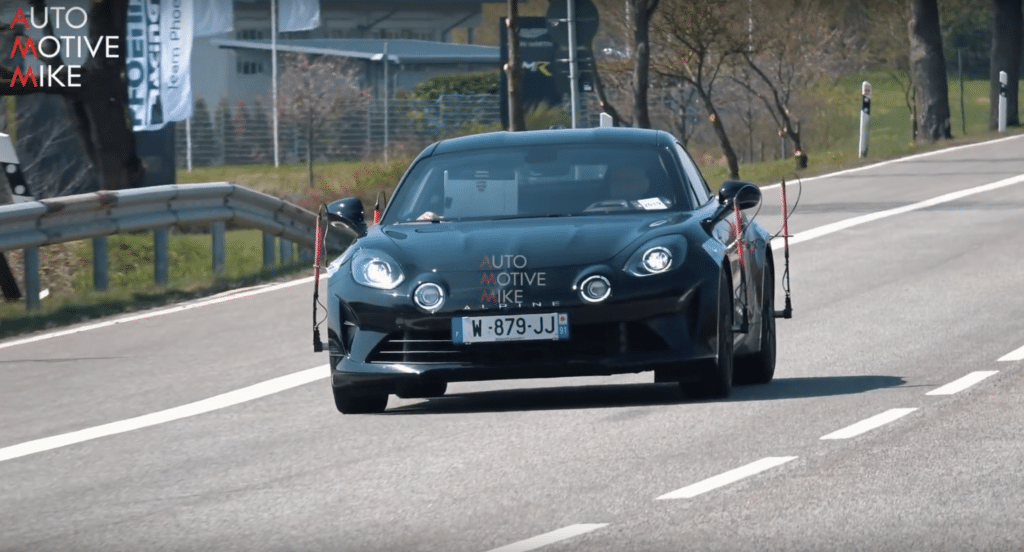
[512,327]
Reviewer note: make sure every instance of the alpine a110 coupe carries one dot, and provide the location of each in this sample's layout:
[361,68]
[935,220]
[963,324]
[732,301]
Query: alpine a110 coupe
[553,253]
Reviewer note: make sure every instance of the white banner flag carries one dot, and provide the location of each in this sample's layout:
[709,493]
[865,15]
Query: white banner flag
[213,18]
[158,60]
[297,15]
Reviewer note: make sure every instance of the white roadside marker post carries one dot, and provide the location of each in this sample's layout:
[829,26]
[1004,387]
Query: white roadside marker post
[865,116]
[1002,101]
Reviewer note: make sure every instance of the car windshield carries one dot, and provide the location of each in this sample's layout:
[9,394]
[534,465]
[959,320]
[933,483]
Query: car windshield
[539,181]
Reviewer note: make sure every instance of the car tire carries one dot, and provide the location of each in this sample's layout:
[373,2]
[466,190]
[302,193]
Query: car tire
[422,390]
[715,375]
[759,367]
[348,402]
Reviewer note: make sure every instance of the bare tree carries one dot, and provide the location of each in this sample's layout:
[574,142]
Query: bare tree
[99,107]
[49,151]
[928,67]
[696,41]
[640,12]
[780,63]
[1007,43]
[311,91]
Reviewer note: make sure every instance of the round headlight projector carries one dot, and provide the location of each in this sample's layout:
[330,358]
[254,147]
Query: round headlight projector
[429,297]
[595,289]
[657,260]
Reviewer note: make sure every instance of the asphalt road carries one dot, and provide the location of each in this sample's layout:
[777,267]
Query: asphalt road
[887,309]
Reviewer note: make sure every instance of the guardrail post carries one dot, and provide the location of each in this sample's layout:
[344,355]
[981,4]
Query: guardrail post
[161,268]
[269,250]
[100,262]
[217,229]
[287,253]
[32,278]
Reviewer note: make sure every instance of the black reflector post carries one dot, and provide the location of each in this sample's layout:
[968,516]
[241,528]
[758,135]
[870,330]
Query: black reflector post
[7,282]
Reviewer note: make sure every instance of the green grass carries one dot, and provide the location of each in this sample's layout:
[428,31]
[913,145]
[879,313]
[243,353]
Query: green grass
[131,275]
[889,129]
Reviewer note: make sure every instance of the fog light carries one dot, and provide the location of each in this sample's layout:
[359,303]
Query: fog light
[429,297]
[595,289]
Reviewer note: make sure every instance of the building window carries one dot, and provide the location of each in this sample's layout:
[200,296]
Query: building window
[250,34]
[249,67]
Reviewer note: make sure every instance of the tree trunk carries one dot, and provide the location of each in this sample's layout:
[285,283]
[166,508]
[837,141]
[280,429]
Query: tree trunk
[99,107]
[723,137]
[928,68]
[641,11]
[1007,43]
[516,118]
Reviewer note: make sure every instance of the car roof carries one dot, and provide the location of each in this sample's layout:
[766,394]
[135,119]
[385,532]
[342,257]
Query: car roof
[598,135]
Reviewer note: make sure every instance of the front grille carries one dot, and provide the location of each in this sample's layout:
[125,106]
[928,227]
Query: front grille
[587,341]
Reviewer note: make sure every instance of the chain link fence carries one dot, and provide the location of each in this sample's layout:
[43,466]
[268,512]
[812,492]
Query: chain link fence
[243,133]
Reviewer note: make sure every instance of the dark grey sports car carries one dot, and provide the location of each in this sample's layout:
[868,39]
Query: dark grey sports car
[545,254]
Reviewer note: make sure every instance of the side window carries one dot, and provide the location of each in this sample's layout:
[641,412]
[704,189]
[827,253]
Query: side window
[697,183]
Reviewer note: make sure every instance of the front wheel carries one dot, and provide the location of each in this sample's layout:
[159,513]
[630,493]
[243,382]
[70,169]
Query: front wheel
[716,374]
[759,367]
[349,402]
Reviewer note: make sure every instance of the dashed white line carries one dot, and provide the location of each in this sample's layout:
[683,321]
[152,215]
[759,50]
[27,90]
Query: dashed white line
[959,385]
[549,538]
[217,402]
[728,477]
[873,422]
[1013,356]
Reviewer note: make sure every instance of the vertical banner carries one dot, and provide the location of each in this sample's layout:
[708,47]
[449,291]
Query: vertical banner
[297,15]
[158,60]
[212,18]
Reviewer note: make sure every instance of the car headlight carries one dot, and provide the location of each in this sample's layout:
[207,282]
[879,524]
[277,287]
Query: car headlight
[376,269]
[657,256]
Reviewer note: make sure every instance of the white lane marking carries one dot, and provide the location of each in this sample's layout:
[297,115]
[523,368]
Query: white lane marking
[856,221]
[728,477]
[873,422]
[1013,356]
[897,160]
[222,298]
[216,402]
[549,538]
[959,385]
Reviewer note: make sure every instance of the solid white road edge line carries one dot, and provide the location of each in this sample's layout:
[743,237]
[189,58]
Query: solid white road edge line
[550,538]
[856,221]
[959,385]
[222,298]
[897,160]
[1013,356]
[873,422]
[217,402]
[728,477]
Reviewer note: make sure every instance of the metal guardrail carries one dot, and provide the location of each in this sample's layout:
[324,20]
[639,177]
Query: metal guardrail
[97,215]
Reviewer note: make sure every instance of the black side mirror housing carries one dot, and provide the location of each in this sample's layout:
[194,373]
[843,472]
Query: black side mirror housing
[733,192]
[347,214]
[740,193]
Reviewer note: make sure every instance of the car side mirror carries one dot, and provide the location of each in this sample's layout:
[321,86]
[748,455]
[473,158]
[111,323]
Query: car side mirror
[740,193]
[347,214]
[732,193]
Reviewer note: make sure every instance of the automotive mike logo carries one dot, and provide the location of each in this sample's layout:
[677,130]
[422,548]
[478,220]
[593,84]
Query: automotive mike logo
[39,70]
[497,290]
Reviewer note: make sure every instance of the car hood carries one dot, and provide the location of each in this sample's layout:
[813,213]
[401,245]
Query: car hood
[521,243]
